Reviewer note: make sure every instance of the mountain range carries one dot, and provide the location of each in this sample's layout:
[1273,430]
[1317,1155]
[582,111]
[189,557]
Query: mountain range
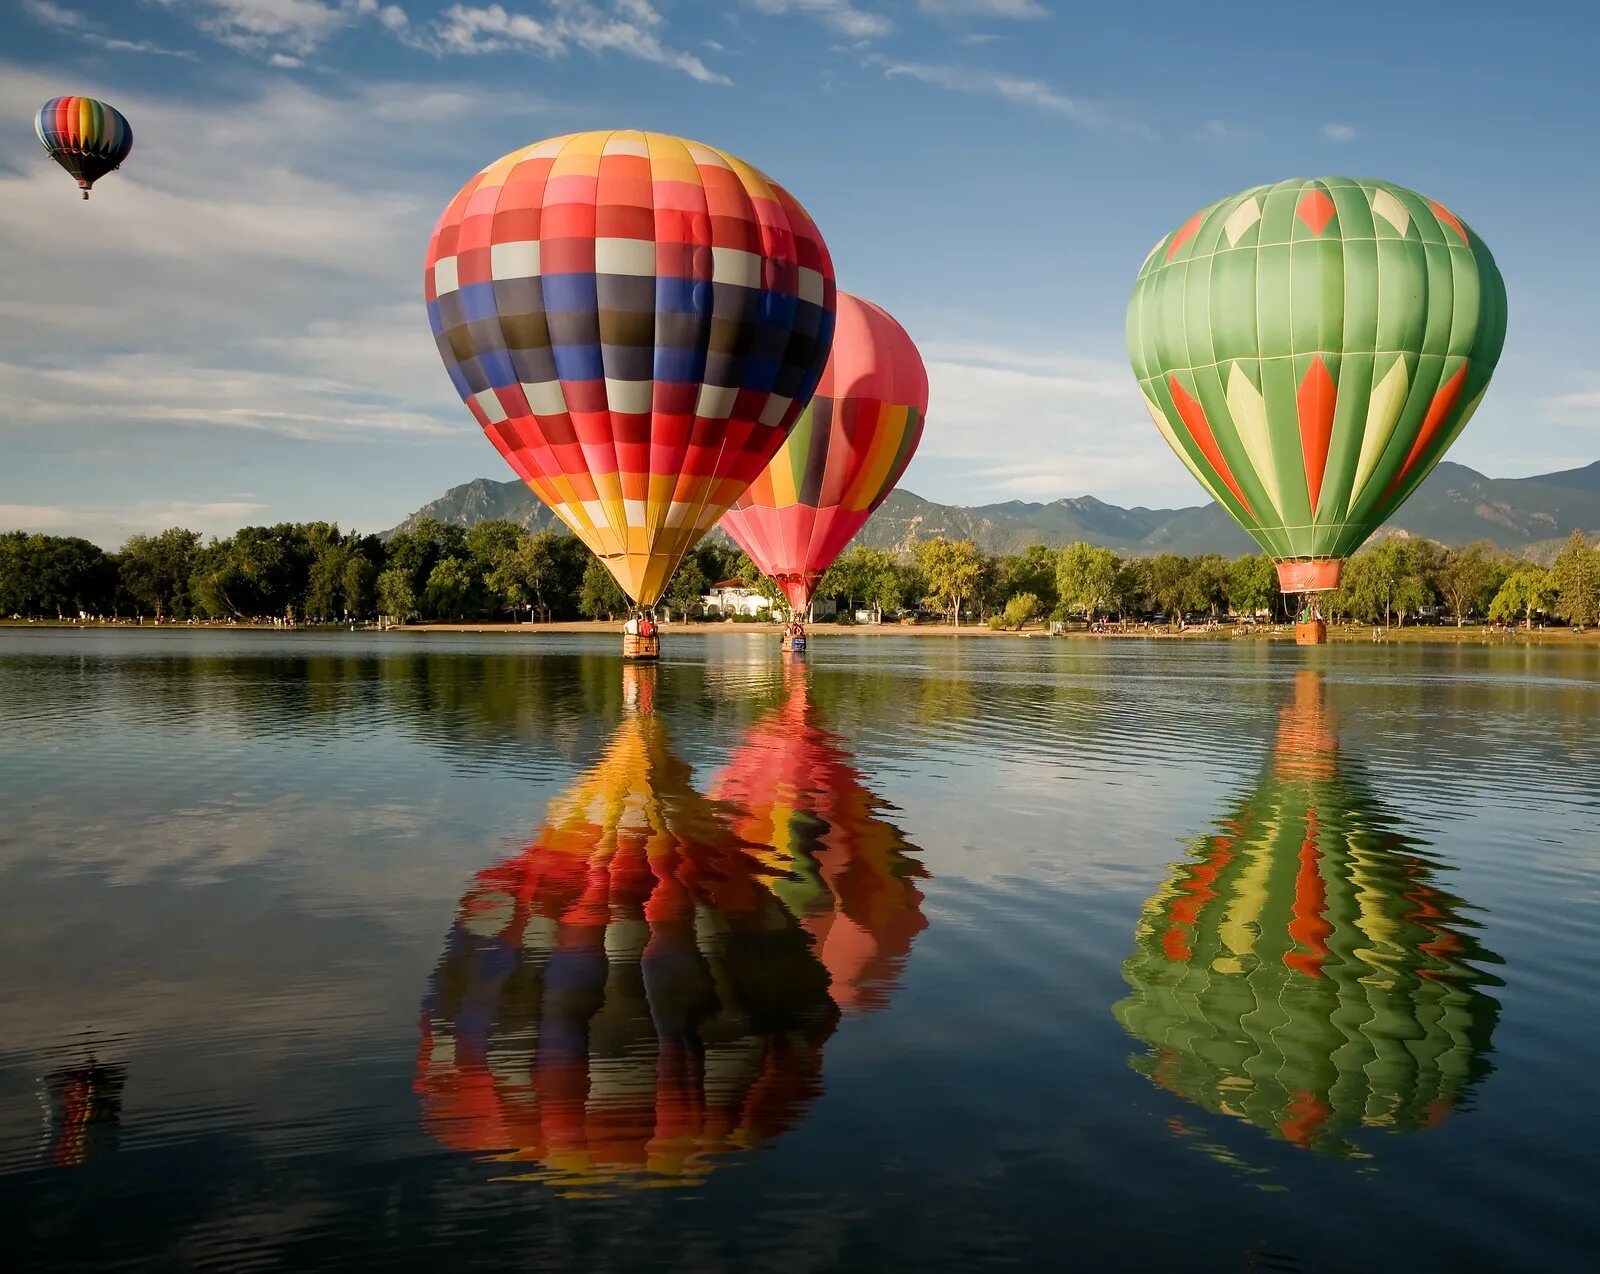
[1454,505]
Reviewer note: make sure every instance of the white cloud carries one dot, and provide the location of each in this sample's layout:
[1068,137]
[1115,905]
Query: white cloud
[273,290]
[166,389]
[837,15]
[297,27]
[1038,425]
[1034,94]
[626,27]
[210,517]
[1218,132]
[1338,132]
[72,22]
[1016,10]
[1579,409]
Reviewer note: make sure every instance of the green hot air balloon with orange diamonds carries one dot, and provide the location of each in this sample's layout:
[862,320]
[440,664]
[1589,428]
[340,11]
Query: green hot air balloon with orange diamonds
[1310,350]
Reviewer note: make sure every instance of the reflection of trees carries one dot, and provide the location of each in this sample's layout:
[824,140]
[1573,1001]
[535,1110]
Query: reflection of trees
[626,998]
[845,871]
[1302,970]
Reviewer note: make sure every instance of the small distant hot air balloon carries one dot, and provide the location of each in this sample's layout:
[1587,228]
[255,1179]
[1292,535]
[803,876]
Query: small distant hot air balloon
[86,137]
[1310,350]
[636,321]
[850,447]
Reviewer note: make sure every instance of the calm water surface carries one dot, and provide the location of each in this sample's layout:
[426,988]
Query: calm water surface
[404,950]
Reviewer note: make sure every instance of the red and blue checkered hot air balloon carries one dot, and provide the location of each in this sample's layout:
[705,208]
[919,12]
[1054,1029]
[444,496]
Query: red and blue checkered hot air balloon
[86,137]
[637,322]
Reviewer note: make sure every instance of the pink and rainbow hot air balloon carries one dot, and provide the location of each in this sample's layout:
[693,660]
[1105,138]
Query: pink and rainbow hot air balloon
[849,448]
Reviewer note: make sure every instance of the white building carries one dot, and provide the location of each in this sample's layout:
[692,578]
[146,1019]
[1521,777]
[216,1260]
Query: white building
[734,597]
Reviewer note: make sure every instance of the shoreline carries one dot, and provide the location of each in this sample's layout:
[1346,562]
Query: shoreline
[1342,635]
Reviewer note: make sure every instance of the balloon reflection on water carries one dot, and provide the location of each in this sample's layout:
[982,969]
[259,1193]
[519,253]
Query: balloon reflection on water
[630,997]
[843,869]
[1302,970]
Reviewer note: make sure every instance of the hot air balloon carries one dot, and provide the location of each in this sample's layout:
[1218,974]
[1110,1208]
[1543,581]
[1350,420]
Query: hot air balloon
[839,865]
[626,1001]
[850,447]
[636,321]
[1310,350]
[1304,971]
[86,137]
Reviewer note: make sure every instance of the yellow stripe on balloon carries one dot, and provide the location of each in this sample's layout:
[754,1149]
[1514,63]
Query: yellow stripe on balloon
[1383,414]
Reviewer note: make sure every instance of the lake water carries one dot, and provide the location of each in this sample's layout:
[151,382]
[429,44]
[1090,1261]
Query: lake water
[920,954]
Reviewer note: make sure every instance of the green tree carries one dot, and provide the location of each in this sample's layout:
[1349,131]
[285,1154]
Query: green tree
[450,589]
[854,577]
[1175,587]
[1086,578]
[1134,590]
[686,587]
[155,571]
[951,569]
[1576,575]
[1469,578]
[1528,588]
[1032,571]
[601,594]
[524,571]
[1021,609]
[395,596]
[1253,585]
[1211,577]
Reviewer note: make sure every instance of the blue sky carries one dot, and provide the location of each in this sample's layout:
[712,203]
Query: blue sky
[232,329]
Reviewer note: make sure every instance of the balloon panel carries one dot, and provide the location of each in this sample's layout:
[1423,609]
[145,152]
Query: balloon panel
[1311,349]
[636,321]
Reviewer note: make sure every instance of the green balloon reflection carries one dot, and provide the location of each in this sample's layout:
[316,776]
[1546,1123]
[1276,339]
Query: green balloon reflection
[1302,970]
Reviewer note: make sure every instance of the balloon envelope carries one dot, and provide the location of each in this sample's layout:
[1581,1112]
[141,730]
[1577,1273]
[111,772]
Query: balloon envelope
[850,447]
[86,137]
[1310,350]
[636,321]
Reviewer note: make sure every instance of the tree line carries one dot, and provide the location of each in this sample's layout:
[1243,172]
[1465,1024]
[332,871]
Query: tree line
[313,572]
[1393,581]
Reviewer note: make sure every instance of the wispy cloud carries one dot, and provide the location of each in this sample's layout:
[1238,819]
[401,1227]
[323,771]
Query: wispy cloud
[1216,132]
[71,22]
[1033,94]
[1016,10]
[215,517]
[295,28]
[626,27]
[1338,132]
[837,15]
[1030,424]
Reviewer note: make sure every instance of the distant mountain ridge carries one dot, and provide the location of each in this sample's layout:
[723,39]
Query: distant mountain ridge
[1455,505]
